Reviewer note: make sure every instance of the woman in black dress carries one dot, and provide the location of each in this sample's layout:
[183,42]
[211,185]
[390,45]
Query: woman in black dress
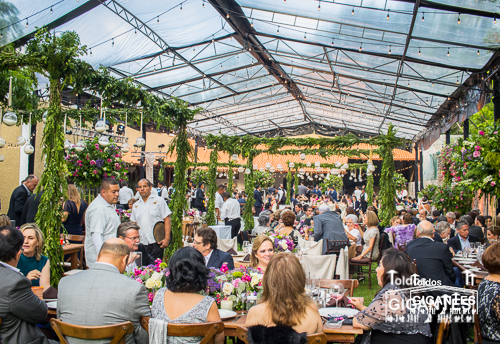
[489,296]
[74,211]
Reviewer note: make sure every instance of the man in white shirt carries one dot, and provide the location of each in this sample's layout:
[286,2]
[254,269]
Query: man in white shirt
[163,193]
[357,193]
[230,213]
[153,191]
[101,219]
[147,212]
[219,201]
[125,195]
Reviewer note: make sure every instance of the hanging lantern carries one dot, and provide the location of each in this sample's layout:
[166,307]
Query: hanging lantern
[268,165]
[2,158]
[140,142]
[318,168]
[80,146]
[67,145]
[291,165]
[308,164]
[317,164]
[301,176]
[368,173]
[338,164]
[262,169]
[247,171]
[2,142]
[302,156]
[315,176]
[302,171]
[29,149]
[307,173]
[255,167]
[355,180]
[272,170]
[100,126]
[234,177]
[335,171]
[20,141]
[10,118]
[241,169]
[104,141]
[234,157]
[125,147]
[44,117]
[350,177]
[279,167]
[344,166]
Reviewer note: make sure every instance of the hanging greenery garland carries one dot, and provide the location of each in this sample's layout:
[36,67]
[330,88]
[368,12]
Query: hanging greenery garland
[212,186]
[297,181]
[288,185]
[264,179]
[369,189]
[332,180]
[199,176]
[249,187]
[230,174]
[387,184]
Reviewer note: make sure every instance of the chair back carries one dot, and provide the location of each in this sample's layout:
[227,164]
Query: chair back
[116,332]
[478,339]
[242,334]
[334,246]
[443,326]
[205,330]
[380,242]
[414,261]
[316,338]
[402,247]
[349,285]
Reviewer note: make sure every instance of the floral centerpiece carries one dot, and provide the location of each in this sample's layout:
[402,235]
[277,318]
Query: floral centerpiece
[240,283]
[332,180]
[94,163]
[306,229]
[152,276]
[124,214]
[199,176]
[282,243]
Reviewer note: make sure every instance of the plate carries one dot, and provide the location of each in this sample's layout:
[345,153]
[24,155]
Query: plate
[475,269]
[333,311]
[52,304]
[466,261]
[226,314]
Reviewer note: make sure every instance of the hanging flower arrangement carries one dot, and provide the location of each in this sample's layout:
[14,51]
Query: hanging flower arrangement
[332,180]
[199,176]
[94,163]
[452,197]
[400,181]
[264,179]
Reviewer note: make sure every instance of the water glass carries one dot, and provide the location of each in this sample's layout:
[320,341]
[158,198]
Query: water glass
[246,245]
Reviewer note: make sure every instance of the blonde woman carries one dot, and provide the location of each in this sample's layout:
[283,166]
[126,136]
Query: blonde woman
[371,238]
[262,252]
[32,264]
[74,211]
[4,220]
[284,301]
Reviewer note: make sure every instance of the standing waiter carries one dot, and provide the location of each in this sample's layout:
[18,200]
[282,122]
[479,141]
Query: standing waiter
[230,213]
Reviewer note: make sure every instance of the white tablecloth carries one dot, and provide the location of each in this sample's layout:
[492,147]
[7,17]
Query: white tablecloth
[343,264]
[321,266]
[223,232]
[255,221]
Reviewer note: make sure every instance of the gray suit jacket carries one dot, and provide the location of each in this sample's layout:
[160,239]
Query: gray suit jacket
[328,226]
[103,296]
[20,310]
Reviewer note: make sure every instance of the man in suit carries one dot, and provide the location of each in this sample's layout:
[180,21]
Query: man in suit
[205,241]
[328,225]
[473,229]
[20,308]
[19,197]
[302,189]
[435,215]
[442,232]
[462,239]
[298,211]
[334,194]
[199,201]
[102,295]
[129,232]
[451,217]
[31,208]
[257,196]
[433,258]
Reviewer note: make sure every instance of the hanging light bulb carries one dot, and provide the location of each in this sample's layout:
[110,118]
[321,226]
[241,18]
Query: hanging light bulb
[80,146]
[140,142]
[181,6]
[388,14]
[360,47]
[100,126]
[113,42]
[305,38]
[51,10]
[67,145]
[2,158]
[352,12]
[125,147]
[278,31]
[458,21]
[158,20]
[203,4]
[29,149]
[10,118]
[251,24]
[2,142]
[389,49]
[419,52]
[477,52]
[448,52]
[27,24]
[319,5]
[423,16]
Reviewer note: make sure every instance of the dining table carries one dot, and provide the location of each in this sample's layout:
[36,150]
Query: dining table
[478,275]
[73,250]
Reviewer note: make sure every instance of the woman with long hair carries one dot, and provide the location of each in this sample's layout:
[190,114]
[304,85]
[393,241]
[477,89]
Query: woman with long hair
[74,211]
[380,318]
[284,301]
[489,295]
[262,252]
[32,264]
[371,237]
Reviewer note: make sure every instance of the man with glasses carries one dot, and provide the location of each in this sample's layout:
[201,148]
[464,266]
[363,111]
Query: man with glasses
[129,232]
[205,241]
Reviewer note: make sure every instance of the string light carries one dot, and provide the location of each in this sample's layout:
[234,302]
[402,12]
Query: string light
[478,52]
[423,16]
[319,5]
[158,20]
[448,52]
[305,38]
[389,49]
[135,31]
[203,4]
[181,6]
[278,31]
[112,42]
[251,24]
[419,52]
[388,14]
[227,15]
[51,10]
[458,21]
[360,47]
[27,24]
[352,13]
[90,51]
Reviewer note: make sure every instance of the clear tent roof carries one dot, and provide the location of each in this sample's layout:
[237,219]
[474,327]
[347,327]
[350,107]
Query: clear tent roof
[257,66]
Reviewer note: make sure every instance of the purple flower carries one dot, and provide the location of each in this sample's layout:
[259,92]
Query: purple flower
[98,163]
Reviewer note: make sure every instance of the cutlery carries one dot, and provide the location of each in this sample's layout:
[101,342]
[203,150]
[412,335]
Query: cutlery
[237,318]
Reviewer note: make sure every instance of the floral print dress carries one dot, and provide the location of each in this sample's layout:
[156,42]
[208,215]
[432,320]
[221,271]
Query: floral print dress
[402,234]
[489,309]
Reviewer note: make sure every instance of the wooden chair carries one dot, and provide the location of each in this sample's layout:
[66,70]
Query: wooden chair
[191,229]
[205,330]
[116,332]
[414,261]
[349,285]
[402,248]
[334,246]
[73,237]
[316,338]
[443,326]
[478,339]
[368,272]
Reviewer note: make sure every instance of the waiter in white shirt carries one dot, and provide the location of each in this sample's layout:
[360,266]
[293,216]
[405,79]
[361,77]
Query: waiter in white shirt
[154,192]
[163,193]
[230,213]
[147,212]
[101,219]
[126,194]
[219,201]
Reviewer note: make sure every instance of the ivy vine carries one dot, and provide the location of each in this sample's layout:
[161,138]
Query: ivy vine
[387,184]
[249,186]
[212,187]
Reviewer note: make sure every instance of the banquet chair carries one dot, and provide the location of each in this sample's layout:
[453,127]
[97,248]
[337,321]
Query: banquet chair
[349,285]
[443,326]
[116,332]
[334,246]
[368,272]
[478,339]
[206,330]
[414,261]
[315,338]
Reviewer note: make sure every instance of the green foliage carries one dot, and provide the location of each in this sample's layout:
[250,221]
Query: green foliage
[387,184]
[264,179]
[332,180]
[199,176]
[288,186]
[89,167]
[212,186]
[230,174]
[449,197]
[296,180]
[24,85]
[249,187]
[400,182]
[369,189]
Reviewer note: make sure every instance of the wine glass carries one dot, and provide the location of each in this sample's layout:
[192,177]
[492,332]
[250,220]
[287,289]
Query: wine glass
[246,245]
[337,291]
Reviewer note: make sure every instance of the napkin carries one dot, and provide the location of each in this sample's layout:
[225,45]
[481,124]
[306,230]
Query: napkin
[479,265]
[50,293]
[246,258]
[232,252]
[343,302]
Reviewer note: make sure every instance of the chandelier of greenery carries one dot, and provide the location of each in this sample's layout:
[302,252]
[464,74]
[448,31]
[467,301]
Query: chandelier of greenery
[212,186]
[57,57]
[249,186]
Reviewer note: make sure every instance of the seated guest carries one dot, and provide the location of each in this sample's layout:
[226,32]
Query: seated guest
[435,216]
[489,221]
[442,232]
[481,222]
[180,302]
[433,258]
[288,219]
[328,225]
[371,239]
[473,229]
[489,296]
[262,252]
[264,223]
[402,234]
[129,232]
[74,211]
[284,301]
[32,264]
[298,211]
[308,213]
[462,239]
[493,232]
[103,295]
[205,241]
[352,232]
[20,308]
[396,221]
[375,317]
[4,220]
